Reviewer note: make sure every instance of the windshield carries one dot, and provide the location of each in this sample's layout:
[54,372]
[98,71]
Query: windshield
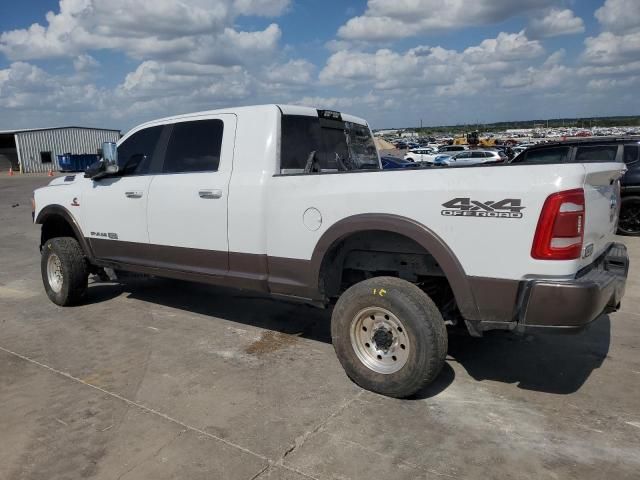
[317,145]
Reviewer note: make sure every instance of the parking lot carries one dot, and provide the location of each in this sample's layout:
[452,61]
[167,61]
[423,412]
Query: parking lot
[162,379]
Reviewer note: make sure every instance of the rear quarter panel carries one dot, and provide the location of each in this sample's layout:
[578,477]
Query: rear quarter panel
[486,247]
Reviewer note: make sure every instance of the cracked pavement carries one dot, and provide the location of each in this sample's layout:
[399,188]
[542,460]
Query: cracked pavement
[160,379]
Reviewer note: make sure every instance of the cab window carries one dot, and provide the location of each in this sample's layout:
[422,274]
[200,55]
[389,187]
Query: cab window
[544,155]
[194,147]
[136,152]
[598,153]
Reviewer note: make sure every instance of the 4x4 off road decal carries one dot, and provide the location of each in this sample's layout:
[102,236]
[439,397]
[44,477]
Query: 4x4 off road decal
[465,207]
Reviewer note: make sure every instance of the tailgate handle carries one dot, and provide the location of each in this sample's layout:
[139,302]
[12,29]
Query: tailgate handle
[210,194]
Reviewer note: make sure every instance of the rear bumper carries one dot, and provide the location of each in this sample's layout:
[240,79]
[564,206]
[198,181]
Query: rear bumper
[574,303]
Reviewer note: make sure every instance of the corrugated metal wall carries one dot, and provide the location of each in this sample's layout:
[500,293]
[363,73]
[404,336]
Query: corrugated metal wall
[58,141]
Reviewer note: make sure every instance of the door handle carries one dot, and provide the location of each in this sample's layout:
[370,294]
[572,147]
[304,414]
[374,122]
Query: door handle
[133,194]
[210,194]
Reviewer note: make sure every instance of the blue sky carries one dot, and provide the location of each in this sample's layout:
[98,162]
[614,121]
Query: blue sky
[394,62]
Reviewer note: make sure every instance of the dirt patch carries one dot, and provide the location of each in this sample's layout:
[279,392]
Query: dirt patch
[270,341]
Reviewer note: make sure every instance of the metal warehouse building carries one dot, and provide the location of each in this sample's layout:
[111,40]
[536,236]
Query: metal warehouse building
[36,150]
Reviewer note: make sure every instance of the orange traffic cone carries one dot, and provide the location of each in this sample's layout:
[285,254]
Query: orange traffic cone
[50,174]
[11,171]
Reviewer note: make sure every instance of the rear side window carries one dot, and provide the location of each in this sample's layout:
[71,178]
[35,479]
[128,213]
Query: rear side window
[314,145]
[545,155]
[598,153]
[478,155]
[194,147]
[136,152]
[300,137]
[631,153]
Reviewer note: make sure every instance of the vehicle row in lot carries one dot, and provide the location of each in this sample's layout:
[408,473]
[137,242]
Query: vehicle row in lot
[428,154]
[455,155]
[470,157]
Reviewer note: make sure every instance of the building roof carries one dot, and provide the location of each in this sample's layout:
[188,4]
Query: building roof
[21,130]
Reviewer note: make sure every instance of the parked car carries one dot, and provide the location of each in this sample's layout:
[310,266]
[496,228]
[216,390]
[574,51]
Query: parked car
[470,157]
[290,201]
[422,155]
[389,162]
[596,150]
[452,148]
[629,222]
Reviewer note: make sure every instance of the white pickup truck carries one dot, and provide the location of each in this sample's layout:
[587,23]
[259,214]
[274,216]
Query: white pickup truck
[291,201]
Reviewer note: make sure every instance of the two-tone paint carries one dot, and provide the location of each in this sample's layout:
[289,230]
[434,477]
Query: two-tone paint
[258,233]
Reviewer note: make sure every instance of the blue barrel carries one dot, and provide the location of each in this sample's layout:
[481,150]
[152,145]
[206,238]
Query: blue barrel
[70,162]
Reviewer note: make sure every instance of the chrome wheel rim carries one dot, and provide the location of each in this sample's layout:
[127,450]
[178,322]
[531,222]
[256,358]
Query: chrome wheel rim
[54,273]
[380,340]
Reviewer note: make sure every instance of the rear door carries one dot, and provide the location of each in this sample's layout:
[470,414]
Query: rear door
[187,211]
[463,158]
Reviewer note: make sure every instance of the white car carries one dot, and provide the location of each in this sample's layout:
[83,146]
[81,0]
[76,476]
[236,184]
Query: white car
[292,202]
[421,155]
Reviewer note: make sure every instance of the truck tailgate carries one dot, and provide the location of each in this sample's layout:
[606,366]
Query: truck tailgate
[602,199]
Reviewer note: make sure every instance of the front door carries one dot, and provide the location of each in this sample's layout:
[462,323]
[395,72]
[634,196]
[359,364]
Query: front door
[114,209]
[187,209]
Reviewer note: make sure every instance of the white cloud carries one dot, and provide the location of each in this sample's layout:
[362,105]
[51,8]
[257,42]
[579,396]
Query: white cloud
[424,66]
[294,72]
[191,55]
[609,84]
[267,8]
[385,20]
[610,49]
[84,63]
[554,23]
[141,29]
[26,87]
[370,99]
[619,16]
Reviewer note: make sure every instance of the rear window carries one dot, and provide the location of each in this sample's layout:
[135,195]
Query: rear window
[315,145]
[544,155]
[597,153]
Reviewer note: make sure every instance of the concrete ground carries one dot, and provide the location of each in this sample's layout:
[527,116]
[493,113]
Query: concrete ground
[158,379]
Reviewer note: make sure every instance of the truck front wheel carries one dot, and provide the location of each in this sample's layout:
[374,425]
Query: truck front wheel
[64,271]
[389,336]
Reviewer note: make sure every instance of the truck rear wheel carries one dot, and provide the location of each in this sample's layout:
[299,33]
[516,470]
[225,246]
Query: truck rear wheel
[389,336]
[64,271]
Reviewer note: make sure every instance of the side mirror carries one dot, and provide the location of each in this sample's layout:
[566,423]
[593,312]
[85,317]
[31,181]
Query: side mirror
[110,157]
[107,165]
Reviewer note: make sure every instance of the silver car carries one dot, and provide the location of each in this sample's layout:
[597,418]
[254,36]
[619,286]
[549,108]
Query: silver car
[471,157]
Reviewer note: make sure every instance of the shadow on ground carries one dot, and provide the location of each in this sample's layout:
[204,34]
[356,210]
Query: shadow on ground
[544,362]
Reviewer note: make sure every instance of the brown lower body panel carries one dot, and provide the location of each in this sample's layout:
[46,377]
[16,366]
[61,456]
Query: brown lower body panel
[281,276]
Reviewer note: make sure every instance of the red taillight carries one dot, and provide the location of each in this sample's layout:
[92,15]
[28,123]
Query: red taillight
[560,231]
